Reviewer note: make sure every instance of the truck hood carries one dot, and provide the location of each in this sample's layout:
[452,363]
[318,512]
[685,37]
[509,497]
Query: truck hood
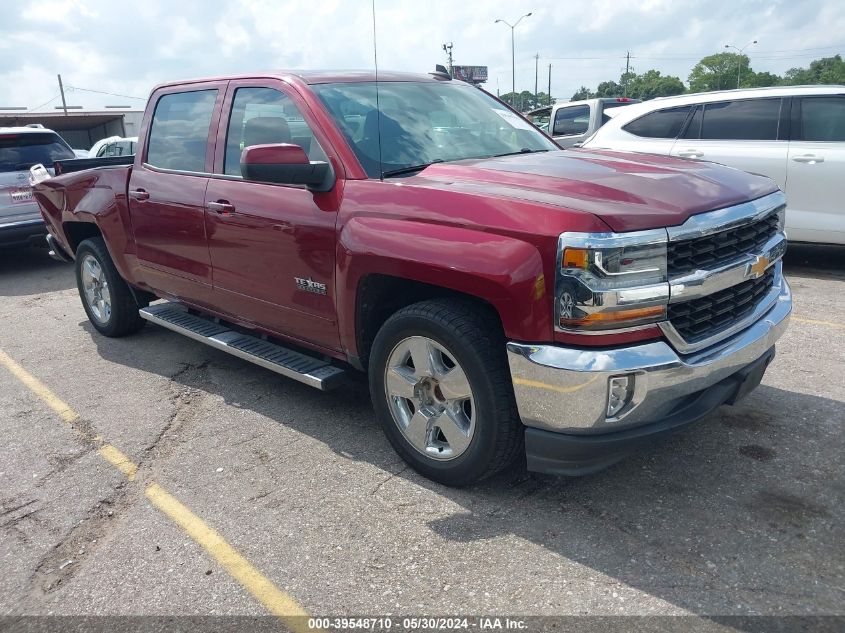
[628,191]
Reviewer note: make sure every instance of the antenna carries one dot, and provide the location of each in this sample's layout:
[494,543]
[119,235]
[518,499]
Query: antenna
[378,107]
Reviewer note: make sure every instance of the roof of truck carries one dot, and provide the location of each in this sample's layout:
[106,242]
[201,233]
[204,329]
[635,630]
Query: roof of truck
[351,76]
[318,77]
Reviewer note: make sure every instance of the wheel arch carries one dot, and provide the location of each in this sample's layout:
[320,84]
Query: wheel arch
[77,232]
[380,296]
[380,270]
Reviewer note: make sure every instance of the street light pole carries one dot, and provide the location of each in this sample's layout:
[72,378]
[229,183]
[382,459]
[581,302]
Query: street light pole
[513,53]
[739,61]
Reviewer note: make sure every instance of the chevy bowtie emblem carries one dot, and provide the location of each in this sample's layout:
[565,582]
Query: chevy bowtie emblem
[757,267]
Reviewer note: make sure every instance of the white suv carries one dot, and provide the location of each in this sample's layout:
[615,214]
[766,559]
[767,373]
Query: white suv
[795,135]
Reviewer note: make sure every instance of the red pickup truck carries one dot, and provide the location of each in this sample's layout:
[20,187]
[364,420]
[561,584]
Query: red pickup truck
[504,296]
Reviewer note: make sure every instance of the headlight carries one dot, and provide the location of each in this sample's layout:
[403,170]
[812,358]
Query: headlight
[611,280]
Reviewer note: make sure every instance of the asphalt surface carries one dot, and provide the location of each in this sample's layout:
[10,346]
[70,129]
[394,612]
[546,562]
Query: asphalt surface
[741,514]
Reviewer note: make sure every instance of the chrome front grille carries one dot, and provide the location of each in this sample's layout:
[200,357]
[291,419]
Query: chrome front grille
[700,319]
[723,269]
[716,249]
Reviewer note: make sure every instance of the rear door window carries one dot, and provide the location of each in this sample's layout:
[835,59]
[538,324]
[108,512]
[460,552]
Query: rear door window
[661,124]
[572,121]
[822,119]
[19,152]
[746,120]
[179,131]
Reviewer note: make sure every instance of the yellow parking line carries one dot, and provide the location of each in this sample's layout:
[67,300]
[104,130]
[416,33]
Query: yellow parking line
[274,599]
[815,322]
[116,458]
[39,389]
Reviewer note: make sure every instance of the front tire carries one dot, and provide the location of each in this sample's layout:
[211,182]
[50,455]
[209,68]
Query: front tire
[109,303]
[442,391]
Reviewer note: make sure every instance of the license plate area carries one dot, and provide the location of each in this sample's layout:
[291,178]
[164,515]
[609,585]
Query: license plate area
[20,195]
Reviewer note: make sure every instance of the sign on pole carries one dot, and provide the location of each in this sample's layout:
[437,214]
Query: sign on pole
[470,74]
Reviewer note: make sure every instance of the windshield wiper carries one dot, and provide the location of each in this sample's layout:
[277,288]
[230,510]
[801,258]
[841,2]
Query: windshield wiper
[524,150]
[408,170]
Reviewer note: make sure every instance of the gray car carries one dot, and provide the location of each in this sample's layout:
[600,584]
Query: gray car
[21,148]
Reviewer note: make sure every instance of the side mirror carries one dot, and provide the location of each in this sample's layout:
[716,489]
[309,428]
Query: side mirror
[285,164]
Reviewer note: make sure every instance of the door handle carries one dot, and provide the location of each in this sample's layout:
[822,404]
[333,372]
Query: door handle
[139,194]
[691,153]
[223,207]
[812,159]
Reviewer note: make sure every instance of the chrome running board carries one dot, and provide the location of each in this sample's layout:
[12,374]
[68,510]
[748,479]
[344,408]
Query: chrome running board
[312,371]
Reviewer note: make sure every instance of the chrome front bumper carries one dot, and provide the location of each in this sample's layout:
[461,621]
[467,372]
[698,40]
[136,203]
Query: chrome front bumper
[565,389]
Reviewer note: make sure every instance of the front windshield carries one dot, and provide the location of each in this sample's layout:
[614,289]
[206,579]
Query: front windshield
[425,122]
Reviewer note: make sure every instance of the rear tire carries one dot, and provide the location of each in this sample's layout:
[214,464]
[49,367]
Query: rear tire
[442,391]
[108,301]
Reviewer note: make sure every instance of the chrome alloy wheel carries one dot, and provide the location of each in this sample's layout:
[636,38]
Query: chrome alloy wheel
[430,398]
[96,288]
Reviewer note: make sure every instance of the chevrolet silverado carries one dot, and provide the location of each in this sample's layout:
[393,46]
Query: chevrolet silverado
[505,297]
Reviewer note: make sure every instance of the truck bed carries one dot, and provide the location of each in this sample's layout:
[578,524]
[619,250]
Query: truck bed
[79,164]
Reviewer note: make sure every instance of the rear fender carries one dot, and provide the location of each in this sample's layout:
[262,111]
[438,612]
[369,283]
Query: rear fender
[503,271]
[96,196]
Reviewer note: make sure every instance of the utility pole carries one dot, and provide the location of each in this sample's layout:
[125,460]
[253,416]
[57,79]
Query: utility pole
[627,69]
[550,84]
[62,91]
[536,63]
[448,48]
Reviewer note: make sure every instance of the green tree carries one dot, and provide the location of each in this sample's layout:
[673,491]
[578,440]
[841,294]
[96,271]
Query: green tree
[652,84]
[763,79]
[582,93]
[719,72]
[828,70]
[524,101]
[649,85]
[609,89]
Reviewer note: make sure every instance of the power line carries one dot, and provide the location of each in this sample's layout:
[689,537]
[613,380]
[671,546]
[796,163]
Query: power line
[45,103]
[764,52]
[770,54]
[111,94]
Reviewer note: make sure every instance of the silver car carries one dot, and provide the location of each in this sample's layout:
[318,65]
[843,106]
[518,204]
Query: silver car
[572,122]
[21,148]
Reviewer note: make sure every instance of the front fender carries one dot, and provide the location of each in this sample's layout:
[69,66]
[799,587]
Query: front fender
[503,271]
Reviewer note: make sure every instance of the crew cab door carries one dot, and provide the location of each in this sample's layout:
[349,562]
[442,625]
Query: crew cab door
[167,190]
[815,184]
[272,246]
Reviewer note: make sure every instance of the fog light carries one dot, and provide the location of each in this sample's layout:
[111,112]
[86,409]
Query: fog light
[620,391]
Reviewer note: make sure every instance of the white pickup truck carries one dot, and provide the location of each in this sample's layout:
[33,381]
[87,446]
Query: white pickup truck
[572,122]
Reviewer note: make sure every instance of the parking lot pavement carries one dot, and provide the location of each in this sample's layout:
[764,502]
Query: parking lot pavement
[741,514]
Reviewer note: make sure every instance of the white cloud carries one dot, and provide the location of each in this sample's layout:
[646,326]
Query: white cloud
[126,48]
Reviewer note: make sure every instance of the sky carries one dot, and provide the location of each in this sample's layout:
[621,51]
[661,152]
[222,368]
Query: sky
[125,47]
